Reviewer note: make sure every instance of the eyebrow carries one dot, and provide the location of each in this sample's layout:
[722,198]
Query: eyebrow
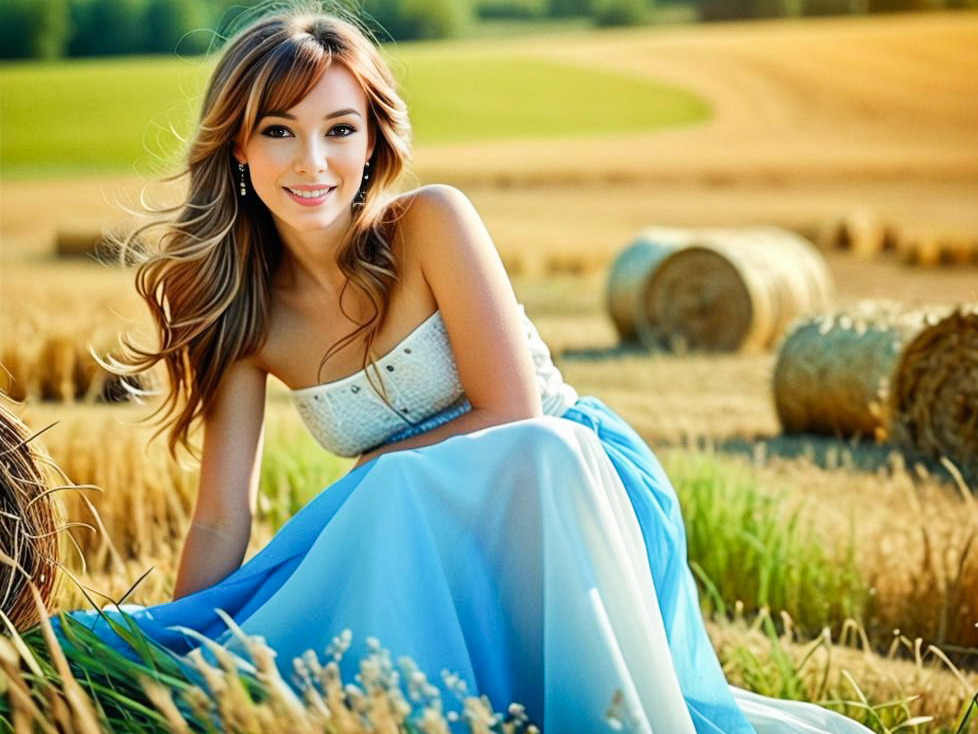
[337,113]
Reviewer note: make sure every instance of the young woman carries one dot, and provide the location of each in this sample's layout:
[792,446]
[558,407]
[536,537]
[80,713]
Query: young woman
[496,523]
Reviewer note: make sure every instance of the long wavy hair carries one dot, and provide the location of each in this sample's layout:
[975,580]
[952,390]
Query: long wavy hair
[207,279]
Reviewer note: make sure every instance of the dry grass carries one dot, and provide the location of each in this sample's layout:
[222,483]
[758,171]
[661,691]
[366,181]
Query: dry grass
[912,535]
[843,669]
[53,313]
[908,533]
[810,118]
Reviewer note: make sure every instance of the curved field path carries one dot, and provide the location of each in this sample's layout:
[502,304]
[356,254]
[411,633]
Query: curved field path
[817,99]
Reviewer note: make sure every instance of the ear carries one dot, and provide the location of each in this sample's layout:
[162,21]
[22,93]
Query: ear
[372,141]
[238,151]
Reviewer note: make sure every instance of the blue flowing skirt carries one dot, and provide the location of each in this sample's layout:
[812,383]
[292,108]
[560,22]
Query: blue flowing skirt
[541,561]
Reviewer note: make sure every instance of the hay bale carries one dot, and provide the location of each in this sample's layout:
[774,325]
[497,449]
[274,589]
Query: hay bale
[930,247]
[628,273]
[96,240]
[921,247]
[29,520]
[960,249]
[720,289]
[933,400]
[832,370]
[55,364]
[889,371]
[859,231]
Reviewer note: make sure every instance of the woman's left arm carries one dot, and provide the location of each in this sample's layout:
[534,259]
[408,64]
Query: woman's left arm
[480,312]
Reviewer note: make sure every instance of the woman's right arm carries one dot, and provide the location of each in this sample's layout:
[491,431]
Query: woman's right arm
[234,429]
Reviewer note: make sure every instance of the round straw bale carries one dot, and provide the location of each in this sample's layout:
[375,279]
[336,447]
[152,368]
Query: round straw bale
[907,374]
[629,271]
[64,370]
[832,369]
[960,249]
[933,399]
[95,240]
[76,240]
[726,290]
[29,520]
[859,230]
[919,247]
[931,246]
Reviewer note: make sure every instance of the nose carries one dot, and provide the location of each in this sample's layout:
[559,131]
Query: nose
[311,156]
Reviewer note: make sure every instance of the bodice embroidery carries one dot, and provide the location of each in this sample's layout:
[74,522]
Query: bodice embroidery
[348,416]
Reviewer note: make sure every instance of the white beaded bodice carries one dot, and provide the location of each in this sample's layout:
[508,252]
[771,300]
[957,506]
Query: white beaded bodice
[348,416]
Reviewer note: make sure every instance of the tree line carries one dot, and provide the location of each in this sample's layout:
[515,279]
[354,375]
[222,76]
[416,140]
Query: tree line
[51,29]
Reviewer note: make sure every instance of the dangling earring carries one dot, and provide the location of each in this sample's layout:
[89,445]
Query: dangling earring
[241,168]
[362,191]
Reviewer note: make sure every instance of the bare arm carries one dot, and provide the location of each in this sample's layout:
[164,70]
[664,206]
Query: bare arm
[228,487]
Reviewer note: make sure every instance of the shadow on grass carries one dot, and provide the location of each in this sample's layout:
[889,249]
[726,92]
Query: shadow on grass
[833,452]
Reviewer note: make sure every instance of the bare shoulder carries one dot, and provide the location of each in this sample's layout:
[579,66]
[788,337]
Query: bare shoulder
[461,266]
[431,203]
[438,216]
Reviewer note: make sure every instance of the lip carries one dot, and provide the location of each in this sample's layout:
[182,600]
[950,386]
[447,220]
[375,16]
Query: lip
[309,202]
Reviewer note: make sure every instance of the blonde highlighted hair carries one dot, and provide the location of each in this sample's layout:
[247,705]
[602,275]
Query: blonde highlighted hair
[207,281]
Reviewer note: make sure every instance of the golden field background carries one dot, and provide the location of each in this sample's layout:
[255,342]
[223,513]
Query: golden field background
[811,118]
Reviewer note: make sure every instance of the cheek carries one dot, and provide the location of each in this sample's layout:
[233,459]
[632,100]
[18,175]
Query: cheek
[266,165]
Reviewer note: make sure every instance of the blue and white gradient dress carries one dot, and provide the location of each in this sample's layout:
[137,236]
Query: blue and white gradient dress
[543,561]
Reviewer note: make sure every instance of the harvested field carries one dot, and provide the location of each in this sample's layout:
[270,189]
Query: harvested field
[809,120]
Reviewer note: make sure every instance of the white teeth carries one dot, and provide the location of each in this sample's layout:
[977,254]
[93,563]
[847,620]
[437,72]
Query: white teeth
[310,194]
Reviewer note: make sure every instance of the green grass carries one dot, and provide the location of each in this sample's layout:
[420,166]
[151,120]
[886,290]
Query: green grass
[294,470]
[746,545]
[113,115]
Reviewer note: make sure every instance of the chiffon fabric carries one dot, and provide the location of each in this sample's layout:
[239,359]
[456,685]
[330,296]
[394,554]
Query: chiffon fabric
[543,561]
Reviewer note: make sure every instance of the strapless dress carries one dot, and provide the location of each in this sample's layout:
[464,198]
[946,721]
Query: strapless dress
[541,561]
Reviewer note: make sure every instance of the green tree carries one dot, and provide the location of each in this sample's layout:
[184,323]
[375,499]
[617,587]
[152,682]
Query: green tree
[176,26]
[724,9]
[107,27]
[511,8]
[35,29]
[775,8]
[407,20]
[568,8]
[830,7]
[619,12]
[894,6]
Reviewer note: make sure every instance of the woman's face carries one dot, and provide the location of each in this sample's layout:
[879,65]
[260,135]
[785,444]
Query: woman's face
[322,143]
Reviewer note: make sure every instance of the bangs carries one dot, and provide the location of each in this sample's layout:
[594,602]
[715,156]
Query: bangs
[289,73]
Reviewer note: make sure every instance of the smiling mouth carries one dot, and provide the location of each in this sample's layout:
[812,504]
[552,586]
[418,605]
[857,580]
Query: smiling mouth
[313,194]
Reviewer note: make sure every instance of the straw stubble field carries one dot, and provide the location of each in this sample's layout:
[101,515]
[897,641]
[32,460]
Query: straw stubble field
[808,119]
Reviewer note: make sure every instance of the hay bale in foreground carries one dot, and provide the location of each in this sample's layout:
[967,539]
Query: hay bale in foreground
[933,400]
[832,371]
[882,369]
[715,289]
[29,519]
